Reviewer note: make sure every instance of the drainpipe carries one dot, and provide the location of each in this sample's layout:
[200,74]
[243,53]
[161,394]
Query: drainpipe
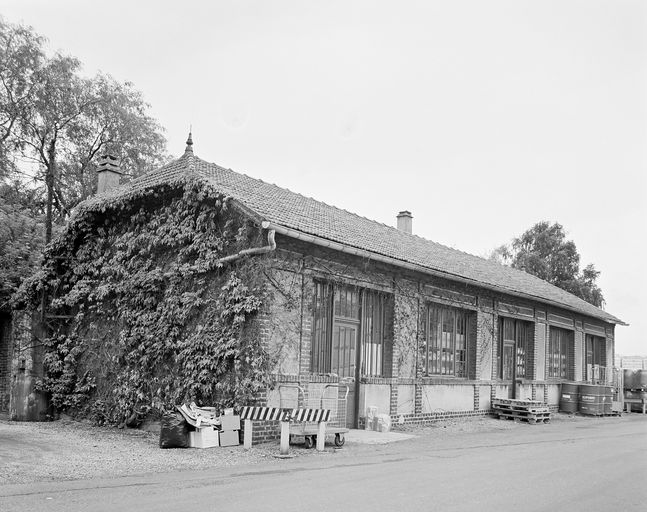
[253,251]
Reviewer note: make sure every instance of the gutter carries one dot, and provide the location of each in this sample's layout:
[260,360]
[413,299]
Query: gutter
[323,242]
[253,251]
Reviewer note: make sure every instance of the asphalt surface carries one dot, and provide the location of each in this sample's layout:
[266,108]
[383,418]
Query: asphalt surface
[585,465]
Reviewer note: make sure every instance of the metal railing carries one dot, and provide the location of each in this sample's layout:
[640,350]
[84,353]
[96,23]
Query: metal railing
[597,374]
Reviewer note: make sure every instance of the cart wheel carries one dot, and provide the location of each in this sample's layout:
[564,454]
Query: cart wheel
[339,439]
[308,442]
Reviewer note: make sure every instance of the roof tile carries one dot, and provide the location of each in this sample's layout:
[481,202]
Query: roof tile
[292,210]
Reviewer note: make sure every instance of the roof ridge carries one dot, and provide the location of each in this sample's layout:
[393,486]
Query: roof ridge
[314,199]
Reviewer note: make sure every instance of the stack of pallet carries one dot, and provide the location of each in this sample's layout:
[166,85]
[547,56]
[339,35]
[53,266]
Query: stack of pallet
[531,411]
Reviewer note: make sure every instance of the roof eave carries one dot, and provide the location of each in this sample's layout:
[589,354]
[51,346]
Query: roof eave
[300,235]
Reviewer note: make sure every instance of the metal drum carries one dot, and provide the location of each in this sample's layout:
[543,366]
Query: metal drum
[592,399]
[640,380]
[628,378]
[569,397]
[607,399]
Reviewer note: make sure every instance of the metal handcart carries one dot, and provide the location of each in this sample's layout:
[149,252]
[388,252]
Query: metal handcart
[333,397]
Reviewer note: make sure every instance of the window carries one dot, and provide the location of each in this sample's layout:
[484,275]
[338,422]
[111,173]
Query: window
[559,353]
[515,345]
[345,316]
[373,329]
[445,332]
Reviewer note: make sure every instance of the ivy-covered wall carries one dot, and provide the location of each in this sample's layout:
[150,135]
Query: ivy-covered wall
[142,314]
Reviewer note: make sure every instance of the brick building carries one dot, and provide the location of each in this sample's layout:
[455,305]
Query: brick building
[414,328]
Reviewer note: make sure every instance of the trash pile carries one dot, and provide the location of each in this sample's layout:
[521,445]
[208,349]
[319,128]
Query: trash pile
[377,422]
[199,427]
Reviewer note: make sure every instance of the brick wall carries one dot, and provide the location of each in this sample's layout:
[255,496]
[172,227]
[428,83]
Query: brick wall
[286,328]
[5,362]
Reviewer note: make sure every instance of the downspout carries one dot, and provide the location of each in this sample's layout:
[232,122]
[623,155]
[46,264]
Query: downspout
[253,251]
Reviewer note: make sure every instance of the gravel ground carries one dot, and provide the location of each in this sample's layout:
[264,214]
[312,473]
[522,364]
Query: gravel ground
[70,450]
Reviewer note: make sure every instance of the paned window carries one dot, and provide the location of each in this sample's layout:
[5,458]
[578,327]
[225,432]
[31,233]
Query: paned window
[446,332]
[373,330]
[560,345]
[515,345]
[348,319]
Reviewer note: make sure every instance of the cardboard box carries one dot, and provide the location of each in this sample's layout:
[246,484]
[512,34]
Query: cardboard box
[205,437]
[229,422]
[229,438]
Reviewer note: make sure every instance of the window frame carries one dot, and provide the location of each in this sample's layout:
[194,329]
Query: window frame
[595,351]
[369,314]
[441,347]
[522,343]
[559,361]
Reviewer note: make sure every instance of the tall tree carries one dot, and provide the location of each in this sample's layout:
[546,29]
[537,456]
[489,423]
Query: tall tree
[21,236]
[21,57]
[116,122]
[54,126]
[58,102]
[544,251]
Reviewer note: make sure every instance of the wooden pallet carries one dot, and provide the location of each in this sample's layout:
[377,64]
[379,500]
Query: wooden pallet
[602,414]
[528,418]
[531,411]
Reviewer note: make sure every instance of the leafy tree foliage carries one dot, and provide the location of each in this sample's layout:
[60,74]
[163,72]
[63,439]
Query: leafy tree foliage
[144,314]
[54,126]
[21,237]
[544,251]
[21,56]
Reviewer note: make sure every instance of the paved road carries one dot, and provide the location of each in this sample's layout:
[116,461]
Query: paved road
[593,465]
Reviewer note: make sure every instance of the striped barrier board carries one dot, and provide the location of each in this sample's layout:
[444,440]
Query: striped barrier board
[317,415]
[284,414]
[263,413]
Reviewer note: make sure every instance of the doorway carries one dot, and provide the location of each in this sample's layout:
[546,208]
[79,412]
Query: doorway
[515,345]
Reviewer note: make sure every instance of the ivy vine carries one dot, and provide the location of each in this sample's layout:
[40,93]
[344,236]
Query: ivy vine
[146,315]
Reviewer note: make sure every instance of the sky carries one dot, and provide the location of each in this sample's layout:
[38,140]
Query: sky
[480,117]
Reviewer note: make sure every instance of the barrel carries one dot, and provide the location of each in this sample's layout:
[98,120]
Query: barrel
[592,399]
[569,397]
[640,380]
[628,377]
[607,400]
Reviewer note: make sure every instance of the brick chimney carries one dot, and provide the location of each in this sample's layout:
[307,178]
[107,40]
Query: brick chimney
[405,221]
[108,173]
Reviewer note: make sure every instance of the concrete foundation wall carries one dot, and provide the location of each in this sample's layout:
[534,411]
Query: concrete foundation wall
[552,393]
[485,401]
[500,391]
[375,395]
[447,397]
[523,392]
[406,399]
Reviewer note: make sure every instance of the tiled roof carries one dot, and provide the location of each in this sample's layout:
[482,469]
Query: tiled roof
[306,215]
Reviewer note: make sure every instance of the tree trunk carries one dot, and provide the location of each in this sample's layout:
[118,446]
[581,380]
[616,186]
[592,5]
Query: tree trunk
[49,183]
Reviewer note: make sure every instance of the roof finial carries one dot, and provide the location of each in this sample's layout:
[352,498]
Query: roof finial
[189,142]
